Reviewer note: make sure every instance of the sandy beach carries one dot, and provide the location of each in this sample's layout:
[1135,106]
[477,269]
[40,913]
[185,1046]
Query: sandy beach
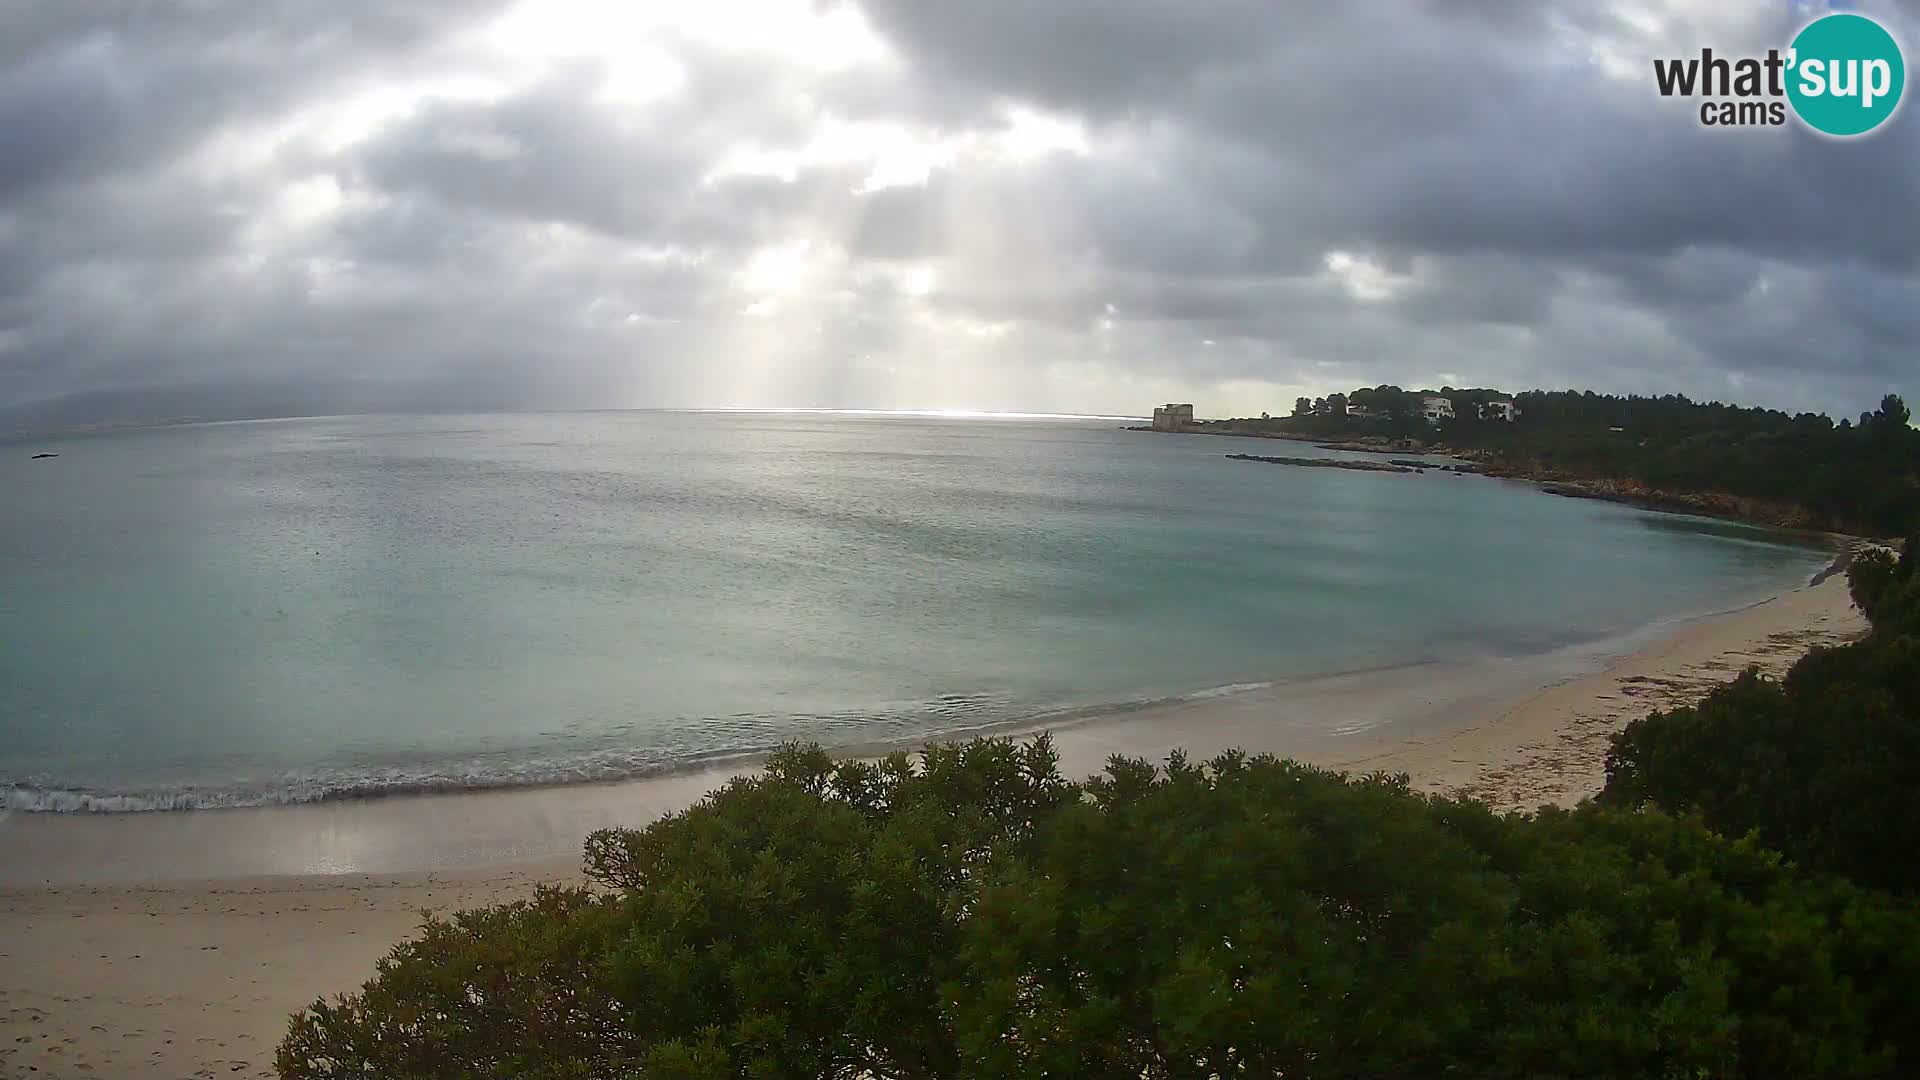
[175,945]
[1551,748]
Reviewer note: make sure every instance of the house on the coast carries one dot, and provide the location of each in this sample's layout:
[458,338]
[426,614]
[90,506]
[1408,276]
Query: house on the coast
[1172,417]
[1499,409]
[1436,408]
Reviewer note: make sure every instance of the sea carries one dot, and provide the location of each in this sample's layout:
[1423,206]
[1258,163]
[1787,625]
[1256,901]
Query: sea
[218,615]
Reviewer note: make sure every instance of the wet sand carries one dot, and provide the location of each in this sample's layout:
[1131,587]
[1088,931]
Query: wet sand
[175,945]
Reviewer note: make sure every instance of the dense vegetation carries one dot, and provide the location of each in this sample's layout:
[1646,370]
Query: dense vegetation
[1819,765]
[973,913]
[1740,902]
[1861,477]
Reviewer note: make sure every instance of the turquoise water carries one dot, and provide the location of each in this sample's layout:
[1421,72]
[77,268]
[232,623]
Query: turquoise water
[280,611]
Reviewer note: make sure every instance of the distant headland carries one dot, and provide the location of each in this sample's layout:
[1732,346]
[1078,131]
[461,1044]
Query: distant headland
[1802,471]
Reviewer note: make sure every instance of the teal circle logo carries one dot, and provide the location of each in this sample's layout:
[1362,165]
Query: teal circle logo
[1846,75]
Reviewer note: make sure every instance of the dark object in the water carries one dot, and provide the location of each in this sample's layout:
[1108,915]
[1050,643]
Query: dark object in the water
[1324,463]
[37,457]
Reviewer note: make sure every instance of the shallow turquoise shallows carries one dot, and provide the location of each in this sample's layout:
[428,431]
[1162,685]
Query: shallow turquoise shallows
[288,610]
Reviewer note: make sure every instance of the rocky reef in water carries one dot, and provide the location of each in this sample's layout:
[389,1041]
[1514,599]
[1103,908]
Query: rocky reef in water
[1325,463]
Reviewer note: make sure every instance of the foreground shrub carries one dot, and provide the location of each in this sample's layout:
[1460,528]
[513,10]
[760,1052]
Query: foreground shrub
[1261,918]
[1887,589]
[1819,765]
[514,990]
[973,914]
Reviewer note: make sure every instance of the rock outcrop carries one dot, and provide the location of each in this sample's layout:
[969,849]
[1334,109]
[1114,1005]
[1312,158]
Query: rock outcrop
[1324,463]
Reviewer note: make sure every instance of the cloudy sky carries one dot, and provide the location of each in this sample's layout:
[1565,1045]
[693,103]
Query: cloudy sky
[1041,205]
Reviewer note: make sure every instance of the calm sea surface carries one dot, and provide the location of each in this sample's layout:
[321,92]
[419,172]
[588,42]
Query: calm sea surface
[288,610]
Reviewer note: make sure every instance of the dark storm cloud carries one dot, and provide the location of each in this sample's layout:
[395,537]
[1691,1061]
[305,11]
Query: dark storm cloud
[1485,191]
[545,156]
[92,88]
[539,157]
[1479,136]
[1429,132]
[1096,56]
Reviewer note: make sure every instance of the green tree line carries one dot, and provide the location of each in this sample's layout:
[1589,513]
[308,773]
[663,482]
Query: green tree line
[1854,476]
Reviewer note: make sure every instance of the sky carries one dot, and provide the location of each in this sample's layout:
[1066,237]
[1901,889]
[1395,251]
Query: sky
[1086,206]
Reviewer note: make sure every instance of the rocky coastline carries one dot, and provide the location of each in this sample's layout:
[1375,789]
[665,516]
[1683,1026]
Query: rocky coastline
[1324,463]
[1705,503]
[1553,481]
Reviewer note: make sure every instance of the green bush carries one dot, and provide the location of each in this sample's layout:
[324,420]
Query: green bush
[1819,765]
[971,913]
[514,990]
[1888,589]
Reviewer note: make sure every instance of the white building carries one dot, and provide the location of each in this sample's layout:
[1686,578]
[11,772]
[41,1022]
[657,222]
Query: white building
[1502,409]
[1436,408]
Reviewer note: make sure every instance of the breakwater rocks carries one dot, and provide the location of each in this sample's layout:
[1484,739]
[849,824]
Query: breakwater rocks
[1375,444]
[1423,466]
[1324,463]
[1706,503]
[1396,465]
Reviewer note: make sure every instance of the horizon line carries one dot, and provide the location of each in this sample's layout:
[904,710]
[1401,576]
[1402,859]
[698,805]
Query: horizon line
[98,427]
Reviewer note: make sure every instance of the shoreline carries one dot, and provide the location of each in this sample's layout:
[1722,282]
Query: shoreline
[1718,505]
[723,765]
[1550,748]
[341,833]
[179,942]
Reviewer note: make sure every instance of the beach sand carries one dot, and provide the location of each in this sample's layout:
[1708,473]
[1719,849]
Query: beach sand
[197,978]
[1551,748]
[175,945]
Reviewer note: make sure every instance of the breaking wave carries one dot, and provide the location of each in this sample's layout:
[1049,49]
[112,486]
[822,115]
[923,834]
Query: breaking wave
[740,738]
